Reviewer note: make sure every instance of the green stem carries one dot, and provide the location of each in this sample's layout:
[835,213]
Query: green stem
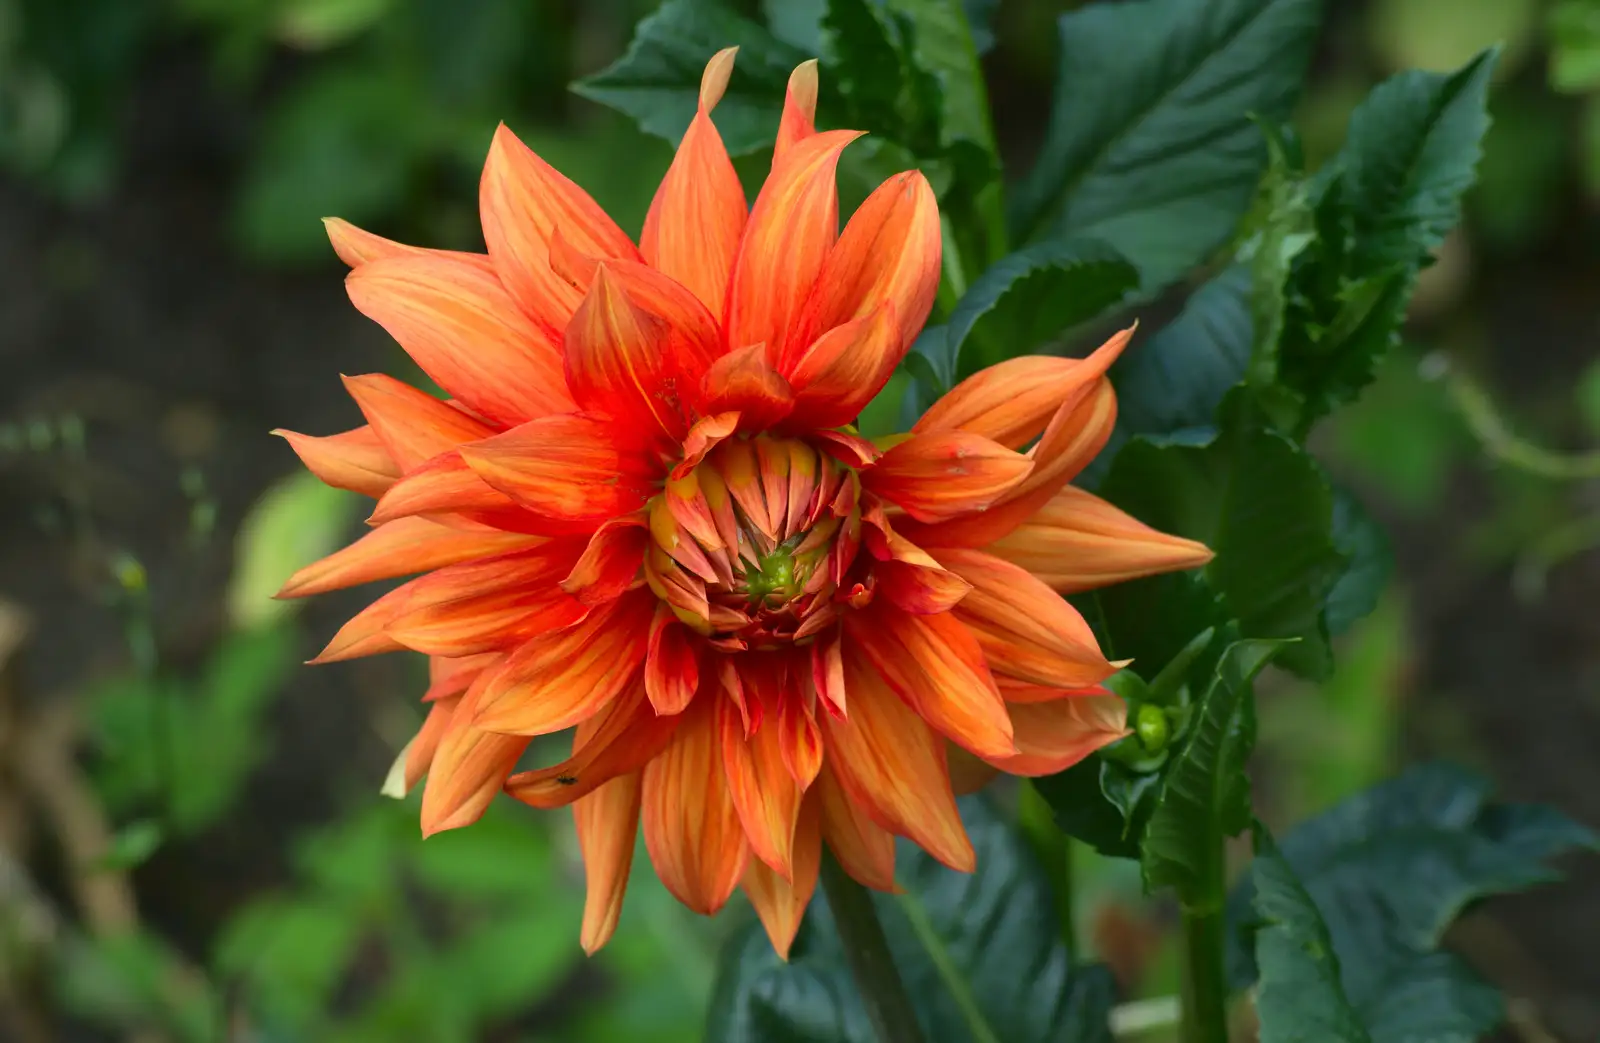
[1055,851]
[1205,992]
[956,985]
[866,950]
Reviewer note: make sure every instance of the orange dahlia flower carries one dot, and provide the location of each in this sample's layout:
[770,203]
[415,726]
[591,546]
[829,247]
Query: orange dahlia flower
[643,517]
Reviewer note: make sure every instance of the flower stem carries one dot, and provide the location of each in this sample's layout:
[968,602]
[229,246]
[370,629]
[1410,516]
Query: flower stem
[1205,993]
[866,950]
[959,989]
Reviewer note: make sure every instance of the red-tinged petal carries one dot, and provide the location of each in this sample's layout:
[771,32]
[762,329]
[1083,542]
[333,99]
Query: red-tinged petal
[620,739]
[792,227]
[799,740]
[563,677]
[744,381]
[939,476]
[468,768]
[1078,542]
[1012,401]
[844,369]
[892,766]
[851,450]
[697,217]
[619,363]
[448,676]
[799,110]
[937,666]
[365,634]
[702,438]
[918,588]
[1015,690]
[466,332]
[400,548]
[672,665]
[445,484]
[356,247]
[488,605]
[764,793]
[522,200]
[1054,736]
[413,425]
[1077,432]
[827,671]
[691,828]
[1025,629]
[354,460]
[779,902]
[609,565]
[419,754]
[889,252]
[566,467]
[607,823]
[864,849]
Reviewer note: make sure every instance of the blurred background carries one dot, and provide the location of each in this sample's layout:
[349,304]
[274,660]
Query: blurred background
[192,844]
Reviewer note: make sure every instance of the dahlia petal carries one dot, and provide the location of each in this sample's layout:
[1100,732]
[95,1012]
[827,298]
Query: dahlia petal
[469,767]
[889,253]
[1012,401]
[849,449]
[844,369]
[702,438]
[827,671]
[462,328]
[799,110]
[610,562]
[356,246]
[672,664]
[607,821]
[919,589]
[620,739]
[522,200]
[448,676]
[892,766]
[1078,542]
[413,425]
[400,548]
[619,364]
[764,793]
[566,467]
[745,382]
[420,751]
[695,222]
[779,902]
[354,460]
[563,677]
[445,484]
[799,740]
[792,227]
[488,604]
[1054,736]
[366,633]
[864,849]
[939,476]
[937,666]
[691,828]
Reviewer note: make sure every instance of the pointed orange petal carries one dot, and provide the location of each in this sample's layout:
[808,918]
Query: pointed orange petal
[620,739]
[489,604]
[419,755]
[354,460]
[567,467]
[1012,401]
[356,246]
[448,676]
[690,826]
[697,217]
[442,485]
[400,548]
[366,633]
[1054,736]
[799,739]
[469,767]
[522,200]
[610,562]
[889,253]
[936,665]
[792,227]
[892,766]
[864,849]
[744,382]
[607,822]
[764,793]
[799,110]
[619,364]
[702,438]
[918,588]
[672,667]
[844,369]
[560,678]
[780,902]
[462,328]
[827,671]
[1078,541]
[939,476]
[1024,628]
[413,425]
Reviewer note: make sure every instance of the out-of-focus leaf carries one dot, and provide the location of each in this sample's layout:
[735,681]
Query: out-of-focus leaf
[290,954]
[1149,146]
[1299,998]
[1575,46]
[296,521]
[132,845]
[657,81]
[499,857]
[1366,546]
[315,24]
[1441,34]
[992,925]
[134,978]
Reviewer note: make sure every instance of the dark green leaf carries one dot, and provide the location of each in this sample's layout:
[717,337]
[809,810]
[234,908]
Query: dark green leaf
[993,925]
[1205,793]
[1149,145]
[132,845]
[943,48]
[1102,803]
[1025,301]
[1299,998]
[657,81]
[1366,546]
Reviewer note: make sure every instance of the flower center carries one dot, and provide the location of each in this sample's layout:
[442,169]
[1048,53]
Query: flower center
[750,546]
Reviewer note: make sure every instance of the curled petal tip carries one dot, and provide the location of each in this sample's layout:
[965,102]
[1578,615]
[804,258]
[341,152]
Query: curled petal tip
[714,81]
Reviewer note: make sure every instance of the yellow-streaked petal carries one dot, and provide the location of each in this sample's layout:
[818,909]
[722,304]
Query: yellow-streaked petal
[401,548]
[781,902]
[354,460]
[691,828]
[607,821]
